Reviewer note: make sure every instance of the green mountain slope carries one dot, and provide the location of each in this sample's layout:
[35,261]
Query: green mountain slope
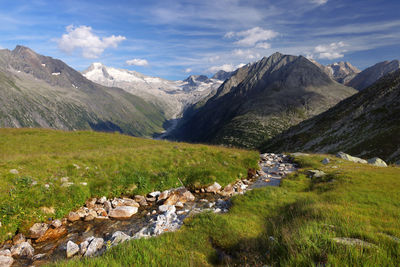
[39,91]
[261,100]
[366,124]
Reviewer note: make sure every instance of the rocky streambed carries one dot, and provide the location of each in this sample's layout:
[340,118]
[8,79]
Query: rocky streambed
[103,223]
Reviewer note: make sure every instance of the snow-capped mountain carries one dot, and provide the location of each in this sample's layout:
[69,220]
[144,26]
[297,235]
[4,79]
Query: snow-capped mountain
[171,96]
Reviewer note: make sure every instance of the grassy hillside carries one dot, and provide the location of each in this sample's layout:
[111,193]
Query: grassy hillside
[291,225]
[110,164]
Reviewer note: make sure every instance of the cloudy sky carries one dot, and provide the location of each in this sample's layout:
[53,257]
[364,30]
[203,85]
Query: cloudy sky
[174,39]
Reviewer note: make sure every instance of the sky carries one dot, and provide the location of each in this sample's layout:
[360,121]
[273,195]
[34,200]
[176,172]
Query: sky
[175,39]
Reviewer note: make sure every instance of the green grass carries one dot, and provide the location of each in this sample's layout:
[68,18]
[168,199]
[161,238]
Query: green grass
[110,164]
[291,225]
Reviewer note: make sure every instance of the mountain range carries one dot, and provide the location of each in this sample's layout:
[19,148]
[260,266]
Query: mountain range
[277,103]
[366,124]
[39,91]
[259,101]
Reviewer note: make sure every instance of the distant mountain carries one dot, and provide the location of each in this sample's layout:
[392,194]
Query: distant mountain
[39,91]
[374,73]
[366,124]
[171,96]
[342,72]
[222,75]
[259,101]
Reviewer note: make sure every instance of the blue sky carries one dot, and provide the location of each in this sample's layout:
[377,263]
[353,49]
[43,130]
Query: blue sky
[174,39]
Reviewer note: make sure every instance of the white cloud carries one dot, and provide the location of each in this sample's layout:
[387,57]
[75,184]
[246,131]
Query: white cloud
[331,51]
[252,36]
[214,58]
[246,54]
[263,45]
[188,70]
[91,45]
[137,62]
[225,67]
[319,2]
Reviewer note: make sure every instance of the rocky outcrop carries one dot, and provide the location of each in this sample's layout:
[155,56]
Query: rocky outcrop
[347,157]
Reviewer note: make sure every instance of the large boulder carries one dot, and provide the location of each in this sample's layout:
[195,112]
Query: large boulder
[180,194]
[345,156]
[38,229]
[72,249]
[122,212]
[316,174]
[377,162]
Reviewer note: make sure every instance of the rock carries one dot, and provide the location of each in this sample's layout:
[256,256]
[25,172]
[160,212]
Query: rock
[151,199]
[91,202]
[102,212]
[353,242]
[315,173]
[228,191]
[117,202]
[164,195]
[56,223]
[122,212]
[214,188]
[141,200]
[52,234]
[90,216]
[6,261]
[76,166]
[18,239]
[107,206]
[5,252]
[38,229]
[38,256]
[94,246]
[83,183]
[345,156]
[299,154]
[377,162]
[68,184]
[180,194]
[83,246]
[73,216]
[154,194]
[165,208]
[72,249]
[14,171]
[130,202]
[102,200]
[64,179]
[179,204]
[23,250]
[325,161]
[119,237]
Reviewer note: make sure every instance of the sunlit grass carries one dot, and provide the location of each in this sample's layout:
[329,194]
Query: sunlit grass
[110,164]
[291,225]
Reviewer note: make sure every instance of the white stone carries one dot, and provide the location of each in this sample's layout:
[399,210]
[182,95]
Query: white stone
[122,212]
[6,261]
[14,171]
[94,246]
[72,249]
[165,208]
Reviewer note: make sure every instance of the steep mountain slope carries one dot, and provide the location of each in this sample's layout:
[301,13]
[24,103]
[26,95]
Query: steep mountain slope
[342,72]
[222,75]
[366,124]
[374,73]
[39,91]
[171,96]
[259,101]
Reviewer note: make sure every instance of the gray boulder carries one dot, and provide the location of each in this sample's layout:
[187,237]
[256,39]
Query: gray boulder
[377,162]
[316,174]
[38,229]
[119,237]
[325,161]
[345,156]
